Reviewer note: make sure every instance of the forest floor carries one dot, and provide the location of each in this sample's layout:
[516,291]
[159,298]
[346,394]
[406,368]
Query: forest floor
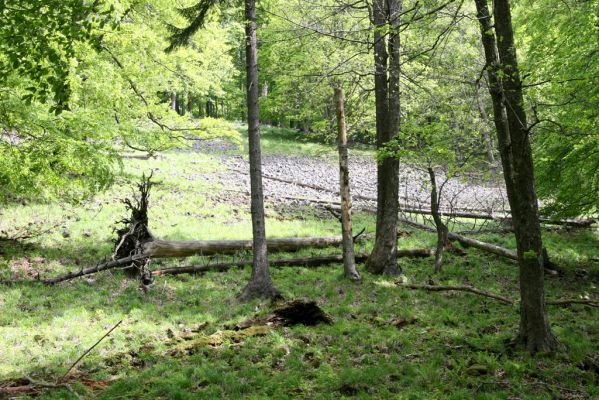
[175,340]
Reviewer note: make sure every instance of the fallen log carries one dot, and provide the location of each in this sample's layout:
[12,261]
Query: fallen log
[567,302]
[550,267]
[290,262]
[186,248]
[466,241]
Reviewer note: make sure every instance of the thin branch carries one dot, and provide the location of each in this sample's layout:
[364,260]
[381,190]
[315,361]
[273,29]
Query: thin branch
[90,349]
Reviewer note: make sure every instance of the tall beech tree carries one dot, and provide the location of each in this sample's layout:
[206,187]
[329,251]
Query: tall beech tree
[260,284]
[386,19]
[516,157]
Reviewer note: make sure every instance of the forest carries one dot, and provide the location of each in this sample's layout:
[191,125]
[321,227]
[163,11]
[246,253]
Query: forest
[313,199]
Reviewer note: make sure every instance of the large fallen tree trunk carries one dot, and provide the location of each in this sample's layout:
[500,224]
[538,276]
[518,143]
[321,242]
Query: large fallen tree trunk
[186,248]
[306,261]
[168,248]
[290,262]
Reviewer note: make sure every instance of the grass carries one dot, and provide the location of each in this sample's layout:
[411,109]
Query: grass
[456,349]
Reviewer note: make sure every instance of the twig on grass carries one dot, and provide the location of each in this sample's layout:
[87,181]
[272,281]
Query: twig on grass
[90,349]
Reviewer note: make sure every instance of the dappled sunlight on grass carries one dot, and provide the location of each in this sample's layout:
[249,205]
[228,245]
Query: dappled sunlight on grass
[385,342]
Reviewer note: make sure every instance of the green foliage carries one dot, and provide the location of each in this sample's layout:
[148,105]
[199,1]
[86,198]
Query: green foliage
[111,84]
[45,155]
[562,74]
[301,68]
[421,142]
[38,40]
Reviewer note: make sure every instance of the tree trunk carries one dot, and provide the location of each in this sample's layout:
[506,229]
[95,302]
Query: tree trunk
[260,284]
[488,142]
[382,258]
[186,248]
[516,159]
[442,230]
[349,262]
[182,105]
[190,104]
[174,100]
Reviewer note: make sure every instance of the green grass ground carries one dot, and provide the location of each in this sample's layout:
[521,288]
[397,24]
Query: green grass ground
[456,349]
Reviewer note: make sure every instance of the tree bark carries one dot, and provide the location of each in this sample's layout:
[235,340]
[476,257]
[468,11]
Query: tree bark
[442,230]
[488,142]
[174,100]
[260,284]
[516,158]
[386,16]
[186,248]
[190,104]
[349,262]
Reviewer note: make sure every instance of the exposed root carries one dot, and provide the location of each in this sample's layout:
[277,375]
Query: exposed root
[134,231]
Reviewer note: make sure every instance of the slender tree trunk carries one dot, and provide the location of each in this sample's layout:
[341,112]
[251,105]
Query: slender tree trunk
[260,284]
[174,100]
[386,15]
[182,105]
[442,230]
[190,104]
[488,142]
[516,158]
[349,261]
